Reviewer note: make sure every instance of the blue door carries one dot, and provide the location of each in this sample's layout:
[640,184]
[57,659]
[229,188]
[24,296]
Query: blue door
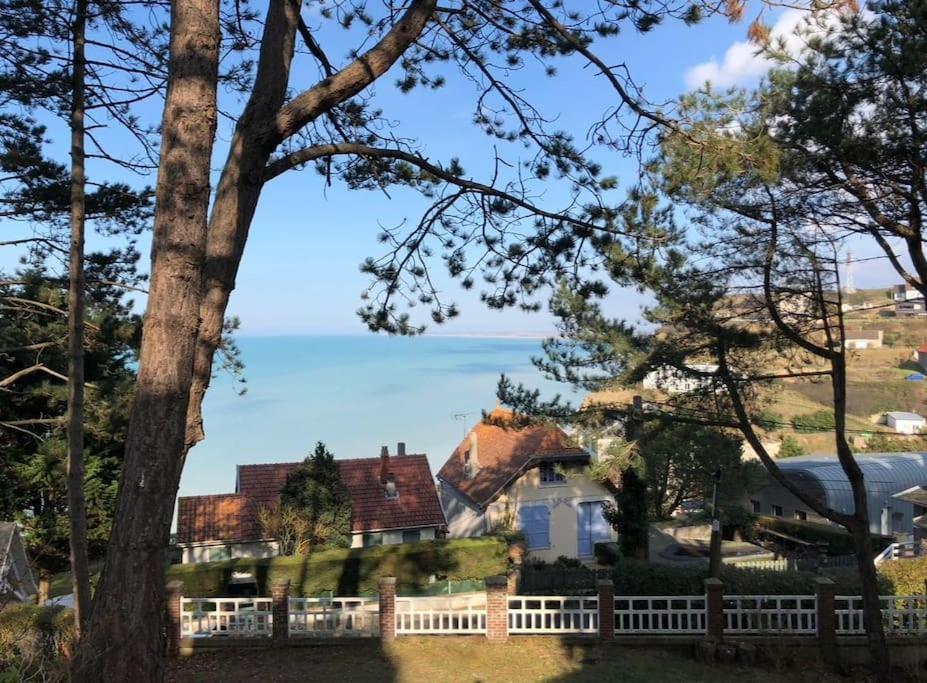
[591,528]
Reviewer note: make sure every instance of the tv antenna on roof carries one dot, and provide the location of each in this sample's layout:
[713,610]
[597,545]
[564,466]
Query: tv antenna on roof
[462,417]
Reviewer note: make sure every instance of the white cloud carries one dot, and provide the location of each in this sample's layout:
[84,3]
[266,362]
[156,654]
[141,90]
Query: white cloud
[742,64]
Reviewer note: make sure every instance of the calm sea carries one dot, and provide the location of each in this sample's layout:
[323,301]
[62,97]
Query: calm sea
[355,394]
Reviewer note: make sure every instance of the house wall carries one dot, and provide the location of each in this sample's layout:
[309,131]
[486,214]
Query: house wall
[463,519]
[201,552]
[905,426]
[393,537]
[562,500]
[886,515]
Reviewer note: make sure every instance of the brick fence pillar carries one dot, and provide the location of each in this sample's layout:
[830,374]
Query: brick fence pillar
[497,609]
[606,609]
[714,605]
[388,608]
[824,590]
[280,596]
[173,629]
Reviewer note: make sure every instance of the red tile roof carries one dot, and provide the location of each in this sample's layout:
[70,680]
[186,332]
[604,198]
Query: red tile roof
[259,486]
[503,453]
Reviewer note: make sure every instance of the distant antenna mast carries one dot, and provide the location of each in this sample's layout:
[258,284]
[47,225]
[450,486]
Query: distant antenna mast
[848,286]
[462,417]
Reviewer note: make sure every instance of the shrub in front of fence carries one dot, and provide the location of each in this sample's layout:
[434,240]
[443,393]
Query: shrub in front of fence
[354,571]
[905,577]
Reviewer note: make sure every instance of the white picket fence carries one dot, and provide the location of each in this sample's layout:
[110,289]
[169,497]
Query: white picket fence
[244,617]
[460,614]
[901,614]
[326,617]
[545,614]
[660,614]
[465,614]
[792,614]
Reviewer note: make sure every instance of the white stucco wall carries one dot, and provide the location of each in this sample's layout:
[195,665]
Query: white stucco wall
[562,500]
[463,520]
[394,537]
[201,552]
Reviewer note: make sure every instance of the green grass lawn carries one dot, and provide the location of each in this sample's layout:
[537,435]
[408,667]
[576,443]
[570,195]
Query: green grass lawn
[449,659]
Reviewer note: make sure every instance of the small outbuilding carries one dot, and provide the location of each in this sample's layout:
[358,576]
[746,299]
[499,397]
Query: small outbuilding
[905,423]
[16,580]
[863,339]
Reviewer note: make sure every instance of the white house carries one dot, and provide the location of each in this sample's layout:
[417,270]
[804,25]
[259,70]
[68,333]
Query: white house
[16,581]
[911,308]
[526,478]
[905,423]
[863,339]
[675,381]
[904,292]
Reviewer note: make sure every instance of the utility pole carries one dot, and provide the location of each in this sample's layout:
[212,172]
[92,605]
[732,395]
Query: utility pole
[714,558]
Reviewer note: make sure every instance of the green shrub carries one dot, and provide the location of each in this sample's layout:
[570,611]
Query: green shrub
[906,577]
[819,421]
[607,552]
[33,642]
[839,542]
[791,448]
[354,571]
[636,577]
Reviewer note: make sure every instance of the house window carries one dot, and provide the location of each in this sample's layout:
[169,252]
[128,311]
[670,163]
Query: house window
[219,553]
[801,515]
[777,510]
[552,473]
[411,535]
[371,540]
[534,523]
[755,506]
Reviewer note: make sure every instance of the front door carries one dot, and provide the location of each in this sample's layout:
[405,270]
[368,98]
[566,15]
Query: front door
[591,527]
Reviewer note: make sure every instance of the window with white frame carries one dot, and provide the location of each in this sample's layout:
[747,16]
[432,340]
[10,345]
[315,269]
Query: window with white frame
[552,474]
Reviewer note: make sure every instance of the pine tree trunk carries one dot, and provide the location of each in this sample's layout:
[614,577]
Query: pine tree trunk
[872,606]
[77,515]
[124,641]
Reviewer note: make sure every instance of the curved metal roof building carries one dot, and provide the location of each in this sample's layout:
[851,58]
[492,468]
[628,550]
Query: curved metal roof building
[885,475]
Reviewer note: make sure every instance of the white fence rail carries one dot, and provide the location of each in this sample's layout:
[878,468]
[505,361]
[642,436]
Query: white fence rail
[789,614]
[539,614]
[660,614]
[327,617]
[243,617]
[901,614]
[441,615]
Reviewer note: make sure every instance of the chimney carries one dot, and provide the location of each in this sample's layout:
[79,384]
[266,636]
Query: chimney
[384,464]
[401,448]
[474,451]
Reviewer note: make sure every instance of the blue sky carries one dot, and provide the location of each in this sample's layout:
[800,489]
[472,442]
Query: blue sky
[300,271]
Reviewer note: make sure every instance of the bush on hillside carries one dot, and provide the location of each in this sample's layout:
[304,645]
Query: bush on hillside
[818,421]
[354,571]
[34,642]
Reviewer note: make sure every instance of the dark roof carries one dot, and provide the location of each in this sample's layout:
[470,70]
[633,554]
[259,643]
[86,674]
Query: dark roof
[503,453]
[199,519]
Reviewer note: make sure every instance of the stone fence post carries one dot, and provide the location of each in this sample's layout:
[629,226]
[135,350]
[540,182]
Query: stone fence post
[824,590]
[714,606]
[606,609]
[388,609]
[280,597]
[497,609]
[173,629]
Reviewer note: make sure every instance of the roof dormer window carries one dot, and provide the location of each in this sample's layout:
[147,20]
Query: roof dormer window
[392,493]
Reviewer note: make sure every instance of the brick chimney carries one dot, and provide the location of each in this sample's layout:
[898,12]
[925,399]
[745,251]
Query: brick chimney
[401,448]
[384,464]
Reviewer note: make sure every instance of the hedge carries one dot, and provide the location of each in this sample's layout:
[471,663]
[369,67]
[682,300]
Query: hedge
[839,541]
[355,571]
[819,421]
[636,577]
[906,577]
[32,642]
